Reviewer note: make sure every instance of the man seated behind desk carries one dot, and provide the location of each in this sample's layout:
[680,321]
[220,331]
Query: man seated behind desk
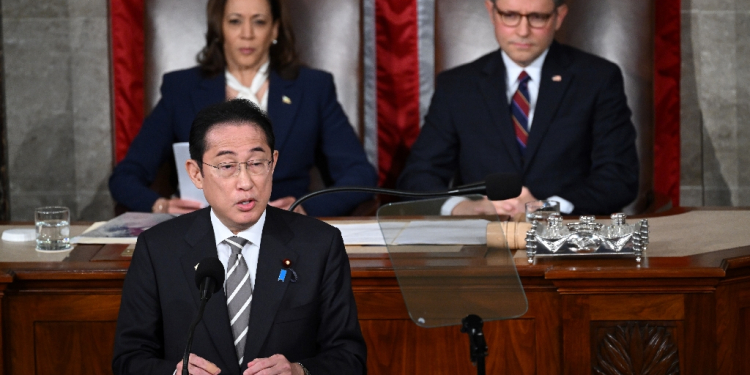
[553,114]
[305,327]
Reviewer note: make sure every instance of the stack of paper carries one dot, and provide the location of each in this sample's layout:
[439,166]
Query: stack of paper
[122,229]
[415,232]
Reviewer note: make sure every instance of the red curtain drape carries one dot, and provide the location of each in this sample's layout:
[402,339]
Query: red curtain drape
[667,62]
[126,31]
[397,65]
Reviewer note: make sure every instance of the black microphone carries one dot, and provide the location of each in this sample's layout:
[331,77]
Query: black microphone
[209,277]
[497,187]
[503,186]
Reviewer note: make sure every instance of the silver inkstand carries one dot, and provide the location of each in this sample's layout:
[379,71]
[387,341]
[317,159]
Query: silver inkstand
[586,237]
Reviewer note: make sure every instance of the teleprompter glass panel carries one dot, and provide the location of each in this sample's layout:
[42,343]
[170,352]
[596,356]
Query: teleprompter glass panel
[446,267]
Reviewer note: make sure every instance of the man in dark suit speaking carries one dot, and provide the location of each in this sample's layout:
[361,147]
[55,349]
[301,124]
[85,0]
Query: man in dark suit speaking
[553,114]
[287,305]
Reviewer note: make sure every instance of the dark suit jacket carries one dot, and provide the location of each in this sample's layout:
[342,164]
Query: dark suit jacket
[313,321]
[312,126]
[581,145]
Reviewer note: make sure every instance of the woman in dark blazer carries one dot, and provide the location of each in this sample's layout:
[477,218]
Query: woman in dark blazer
[249,53]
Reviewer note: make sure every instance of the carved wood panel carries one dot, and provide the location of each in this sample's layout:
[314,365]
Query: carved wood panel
[396,345]
[4,279]
[401,347]
[743,344]
[733,328]
[635,347]
[74,348]
[60,333]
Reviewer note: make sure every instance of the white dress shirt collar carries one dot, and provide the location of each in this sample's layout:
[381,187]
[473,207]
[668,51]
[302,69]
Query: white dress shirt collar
[513,70]
[534,70]
[251,93]
[252,234]
[250,251]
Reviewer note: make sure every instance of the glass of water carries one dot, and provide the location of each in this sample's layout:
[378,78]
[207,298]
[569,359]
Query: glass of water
[52,228]
[541,210]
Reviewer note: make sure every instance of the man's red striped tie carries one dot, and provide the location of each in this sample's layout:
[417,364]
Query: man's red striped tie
[519,109]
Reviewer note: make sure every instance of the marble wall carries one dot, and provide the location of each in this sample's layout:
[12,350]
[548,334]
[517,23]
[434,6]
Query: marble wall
[57,86]
[58,105]
[4,211]
[715,95]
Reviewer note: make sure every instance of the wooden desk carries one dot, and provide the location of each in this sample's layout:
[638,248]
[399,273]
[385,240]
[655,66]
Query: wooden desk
[690,313]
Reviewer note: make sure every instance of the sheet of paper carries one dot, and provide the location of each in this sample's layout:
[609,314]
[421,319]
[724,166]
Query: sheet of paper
[187,189]
[122,229]
[100,240]
[444,232]
[432,232]
[361,233]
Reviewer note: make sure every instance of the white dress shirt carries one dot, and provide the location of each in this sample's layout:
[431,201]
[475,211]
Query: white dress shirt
[251,93]
[251,249]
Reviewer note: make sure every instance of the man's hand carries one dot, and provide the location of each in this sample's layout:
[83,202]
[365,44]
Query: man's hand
[175,206]
[276,364]
[198,366]
[515,205]
[511,207]
[285,203]
[471,208]
[183,206]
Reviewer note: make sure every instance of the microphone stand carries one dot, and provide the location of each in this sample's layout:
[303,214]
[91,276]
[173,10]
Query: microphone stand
[479,188]
[206,288]
[472,325]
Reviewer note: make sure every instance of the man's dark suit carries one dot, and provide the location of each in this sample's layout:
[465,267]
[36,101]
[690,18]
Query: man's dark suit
[308,123]
[312,321]
[581,145]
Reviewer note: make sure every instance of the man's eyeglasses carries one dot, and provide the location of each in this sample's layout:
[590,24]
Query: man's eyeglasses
[536,20]
[232,169]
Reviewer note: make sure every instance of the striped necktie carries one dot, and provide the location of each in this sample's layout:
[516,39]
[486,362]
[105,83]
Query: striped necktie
[519,109]
[239,294]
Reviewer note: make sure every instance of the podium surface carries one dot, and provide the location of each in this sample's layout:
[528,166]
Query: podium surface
[687,312]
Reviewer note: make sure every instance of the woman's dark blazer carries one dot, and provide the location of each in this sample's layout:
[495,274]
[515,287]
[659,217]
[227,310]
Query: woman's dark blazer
[308,123]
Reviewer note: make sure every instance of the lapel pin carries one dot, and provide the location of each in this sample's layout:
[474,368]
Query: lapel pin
[286,100]
[196,266]
[282,276]
[556,78]
[288,265]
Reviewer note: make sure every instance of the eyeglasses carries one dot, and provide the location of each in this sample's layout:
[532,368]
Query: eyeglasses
[232,169]
[536,20]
